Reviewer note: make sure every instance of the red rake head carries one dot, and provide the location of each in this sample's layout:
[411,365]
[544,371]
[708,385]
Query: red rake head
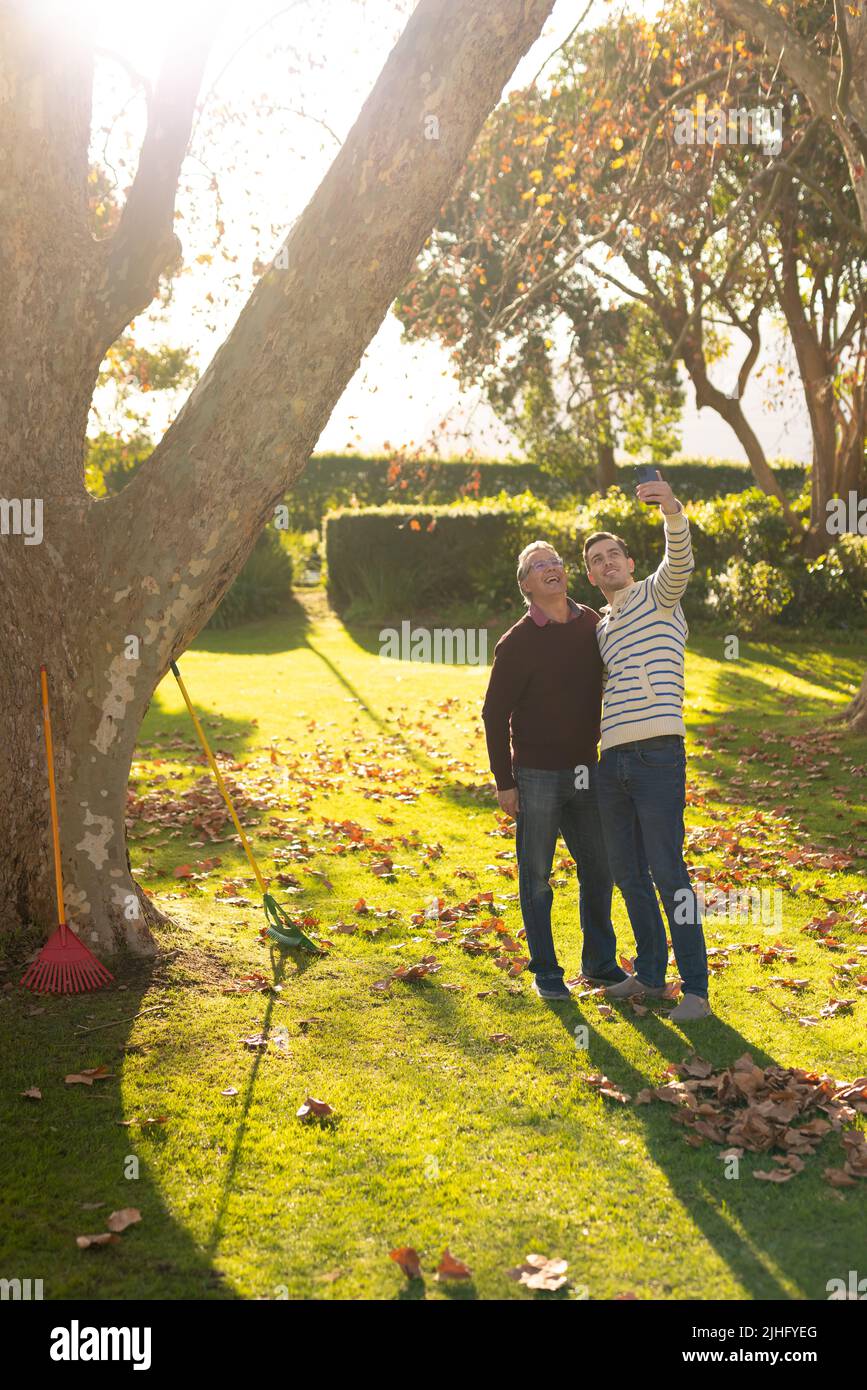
[65,966]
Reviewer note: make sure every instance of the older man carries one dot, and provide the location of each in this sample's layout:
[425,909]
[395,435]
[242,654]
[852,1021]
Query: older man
[541,716]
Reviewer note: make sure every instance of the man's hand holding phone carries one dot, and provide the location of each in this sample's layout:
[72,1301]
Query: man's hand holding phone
[509,802]
[653,490]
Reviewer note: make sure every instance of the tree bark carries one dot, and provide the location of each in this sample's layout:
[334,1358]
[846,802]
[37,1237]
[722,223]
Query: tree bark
[119,586]
[856,713]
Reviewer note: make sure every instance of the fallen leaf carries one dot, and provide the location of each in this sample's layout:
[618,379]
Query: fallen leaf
[450,1267]
[311,1107]
[88,1075]
[408,1260]
[539,1272]
[119,1220]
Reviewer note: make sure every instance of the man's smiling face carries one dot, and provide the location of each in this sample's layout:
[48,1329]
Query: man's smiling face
[546,576]
[608,568]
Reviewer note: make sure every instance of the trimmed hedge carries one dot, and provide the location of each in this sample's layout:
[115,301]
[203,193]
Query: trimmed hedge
[332,481]
[385,560]
[388,561]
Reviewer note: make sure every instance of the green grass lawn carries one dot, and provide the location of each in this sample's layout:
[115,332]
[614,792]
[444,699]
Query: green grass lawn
[443,1133]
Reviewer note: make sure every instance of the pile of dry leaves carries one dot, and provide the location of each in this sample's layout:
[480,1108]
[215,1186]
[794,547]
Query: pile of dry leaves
[782,1111]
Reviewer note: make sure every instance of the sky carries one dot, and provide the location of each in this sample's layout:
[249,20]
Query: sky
[282,89]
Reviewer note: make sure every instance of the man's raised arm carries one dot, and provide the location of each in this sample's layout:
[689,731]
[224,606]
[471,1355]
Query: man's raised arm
[669,582]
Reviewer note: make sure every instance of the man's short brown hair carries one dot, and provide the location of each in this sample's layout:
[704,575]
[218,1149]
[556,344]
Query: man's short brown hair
[605,536]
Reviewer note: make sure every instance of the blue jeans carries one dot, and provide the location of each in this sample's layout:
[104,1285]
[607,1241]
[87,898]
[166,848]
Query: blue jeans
[642,794]
[548,803]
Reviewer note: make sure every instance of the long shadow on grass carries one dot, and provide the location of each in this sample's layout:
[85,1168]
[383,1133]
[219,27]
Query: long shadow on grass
[760,752]
[74,1148]
[281,632]
[753,1236]
[800,658]
[278,962]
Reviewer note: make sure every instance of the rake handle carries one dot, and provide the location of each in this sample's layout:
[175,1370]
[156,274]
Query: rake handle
[219,780]
[52,794]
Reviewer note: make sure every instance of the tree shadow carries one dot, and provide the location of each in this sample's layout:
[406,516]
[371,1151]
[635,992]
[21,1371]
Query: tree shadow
[755,758]
[283,632]
[758,1245]
[72,1158]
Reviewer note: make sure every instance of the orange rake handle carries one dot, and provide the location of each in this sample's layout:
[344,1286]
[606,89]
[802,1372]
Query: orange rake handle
[52,792]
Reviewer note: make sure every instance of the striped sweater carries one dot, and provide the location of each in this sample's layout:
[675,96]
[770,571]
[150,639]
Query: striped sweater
[641,640]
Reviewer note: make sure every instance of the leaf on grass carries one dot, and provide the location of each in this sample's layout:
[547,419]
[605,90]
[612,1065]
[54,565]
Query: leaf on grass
[312,1107]
[119,1220]
[697,1066]
[450,1267]
[838,1177]
[605,1087]
[540,1272]
[408,1260]
[32,1093]
[88,1075]
[107,1238]
[775,1175]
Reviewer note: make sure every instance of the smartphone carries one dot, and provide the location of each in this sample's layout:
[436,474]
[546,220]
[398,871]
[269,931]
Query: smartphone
[646,473]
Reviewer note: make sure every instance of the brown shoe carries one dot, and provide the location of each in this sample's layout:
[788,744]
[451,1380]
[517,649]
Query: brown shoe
[632,986]
[691,1007]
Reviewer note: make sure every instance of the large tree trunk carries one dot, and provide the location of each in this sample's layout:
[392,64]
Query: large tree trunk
[856,713]
[120,586]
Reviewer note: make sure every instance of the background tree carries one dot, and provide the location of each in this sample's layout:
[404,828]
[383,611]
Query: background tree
[120,585]
[594,179]
[824,52]
[564,182]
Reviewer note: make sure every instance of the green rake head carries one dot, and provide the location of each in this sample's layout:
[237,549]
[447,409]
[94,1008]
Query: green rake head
[283,929]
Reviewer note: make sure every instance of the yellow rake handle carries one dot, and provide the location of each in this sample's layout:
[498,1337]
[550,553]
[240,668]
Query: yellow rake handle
[52,793]
[220,783]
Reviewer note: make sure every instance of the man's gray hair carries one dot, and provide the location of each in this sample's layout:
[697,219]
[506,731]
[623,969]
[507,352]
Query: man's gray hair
[525,560]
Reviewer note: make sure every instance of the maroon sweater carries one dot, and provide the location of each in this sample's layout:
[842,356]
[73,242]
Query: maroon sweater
[546,684]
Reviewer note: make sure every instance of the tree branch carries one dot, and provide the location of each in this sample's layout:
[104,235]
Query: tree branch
[144,244]
[189,517]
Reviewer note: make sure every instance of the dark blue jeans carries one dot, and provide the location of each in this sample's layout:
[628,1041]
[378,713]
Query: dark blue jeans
[548,803]
[642,794]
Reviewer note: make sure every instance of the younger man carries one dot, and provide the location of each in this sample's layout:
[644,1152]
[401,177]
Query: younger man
[642,764]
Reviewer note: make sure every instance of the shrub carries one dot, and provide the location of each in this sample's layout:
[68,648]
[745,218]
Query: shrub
[748,524]
[384,561]
[637,524]
[262,587]
[833,588]
[752,594]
